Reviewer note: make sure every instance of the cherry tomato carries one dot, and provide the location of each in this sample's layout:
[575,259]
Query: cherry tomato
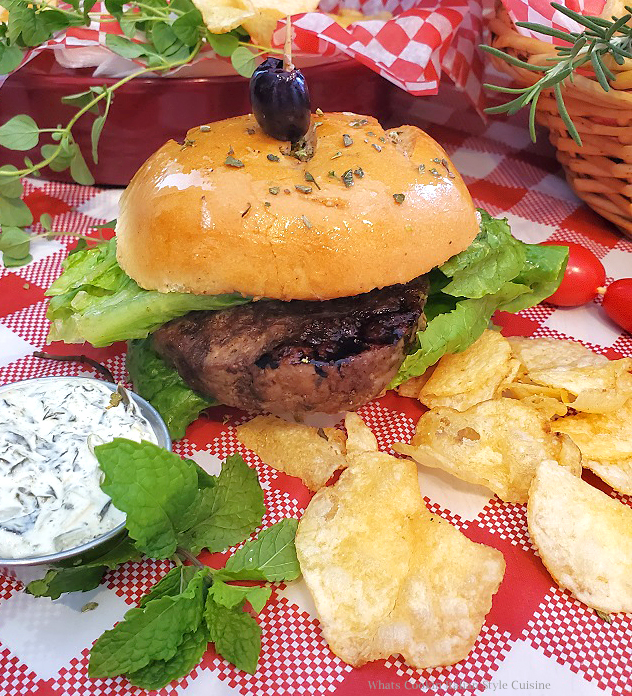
[584,274]
[617,302]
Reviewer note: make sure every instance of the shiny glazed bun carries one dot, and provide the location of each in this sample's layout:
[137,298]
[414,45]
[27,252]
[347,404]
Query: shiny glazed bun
[228,211]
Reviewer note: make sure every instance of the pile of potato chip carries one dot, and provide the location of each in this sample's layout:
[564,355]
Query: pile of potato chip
[520,416]
[498,408]
[523,416]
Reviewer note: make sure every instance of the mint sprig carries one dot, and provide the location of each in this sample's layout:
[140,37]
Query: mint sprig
[173,503]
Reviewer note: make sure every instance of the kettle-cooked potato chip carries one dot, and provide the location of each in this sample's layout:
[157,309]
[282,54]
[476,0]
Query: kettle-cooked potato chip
[311,454]
[496,443]
[268,12]
[544,353]
[584,538]
[588,382]
[387,576]
[617,474]
[477,374]
[600,436]
[221,16]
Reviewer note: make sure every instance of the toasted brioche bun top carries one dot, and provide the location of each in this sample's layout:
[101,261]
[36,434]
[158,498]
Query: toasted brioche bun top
[193,220]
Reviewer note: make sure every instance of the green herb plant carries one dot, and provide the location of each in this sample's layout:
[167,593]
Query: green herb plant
[175,510]
[599,38]
[157,34]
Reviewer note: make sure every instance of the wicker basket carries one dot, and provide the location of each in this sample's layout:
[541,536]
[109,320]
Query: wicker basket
[600,171]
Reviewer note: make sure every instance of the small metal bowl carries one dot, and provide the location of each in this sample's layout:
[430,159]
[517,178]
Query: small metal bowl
[9,566]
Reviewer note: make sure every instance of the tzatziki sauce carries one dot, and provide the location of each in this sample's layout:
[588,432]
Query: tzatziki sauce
[50,497]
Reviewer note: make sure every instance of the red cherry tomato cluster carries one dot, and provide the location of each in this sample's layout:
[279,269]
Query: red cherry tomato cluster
[584,278]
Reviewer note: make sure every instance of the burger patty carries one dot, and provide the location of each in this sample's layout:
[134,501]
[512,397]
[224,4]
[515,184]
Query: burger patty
[296,357]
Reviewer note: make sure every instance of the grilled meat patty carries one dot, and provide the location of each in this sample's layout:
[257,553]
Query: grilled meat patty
[296,357]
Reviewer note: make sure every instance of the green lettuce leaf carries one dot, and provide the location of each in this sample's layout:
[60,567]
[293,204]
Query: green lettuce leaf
[497,272]
[163,387]
[492,259]
[94,300]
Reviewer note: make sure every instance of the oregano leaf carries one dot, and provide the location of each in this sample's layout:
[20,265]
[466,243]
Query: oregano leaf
[19,133]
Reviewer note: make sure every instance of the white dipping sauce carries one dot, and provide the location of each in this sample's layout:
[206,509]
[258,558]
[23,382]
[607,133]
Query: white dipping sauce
[50,499]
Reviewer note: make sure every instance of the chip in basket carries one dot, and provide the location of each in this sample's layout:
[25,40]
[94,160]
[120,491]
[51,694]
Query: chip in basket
[221,16]
[477,374]
[496,443]
[311,454]
[388,576]
[268,12]
[583,536]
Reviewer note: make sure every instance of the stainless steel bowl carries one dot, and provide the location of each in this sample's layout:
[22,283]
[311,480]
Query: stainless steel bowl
[10,565]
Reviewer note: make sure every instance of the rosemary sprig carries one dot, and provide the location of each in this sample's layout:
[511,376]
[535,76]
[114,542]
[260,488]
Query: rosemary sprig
[599,38]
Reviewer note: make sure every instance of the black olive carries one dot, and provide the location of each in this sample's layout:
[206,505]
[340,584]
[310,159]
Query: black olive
[280,100]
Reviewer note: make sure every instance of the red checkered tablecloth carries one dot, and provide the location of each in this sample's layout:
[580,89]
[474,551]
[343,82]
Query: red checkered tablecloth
[537,639]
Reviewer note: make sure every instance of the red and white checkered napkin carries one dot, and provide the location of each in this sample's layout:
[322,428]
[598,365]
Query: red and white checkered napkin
[424,38]
[541,12]
[536,639]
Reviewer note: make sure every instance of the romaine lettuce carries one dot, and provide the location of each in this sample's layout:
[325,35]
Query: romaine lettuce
[94,300]
[496,272]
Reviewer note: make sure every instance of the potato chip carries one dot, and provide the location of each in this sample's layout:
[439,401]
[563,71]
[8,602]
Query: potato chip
[346,16]
[311,454]
[359,436]
[387,576]
[496,443]
[588,382]
[584,538]
[544,353]
[221,16]
[525,390]
[547,406]
[600,436]
[268,12]
[413,386]
[477,374]
[617,474]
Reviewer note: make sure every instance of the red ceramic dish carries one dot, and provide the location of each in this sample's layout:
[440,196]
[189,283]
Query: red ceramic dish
[145,113]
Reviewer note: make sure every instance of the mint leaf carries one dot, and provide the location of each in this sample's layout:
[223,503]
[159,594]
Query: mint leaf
[171,584]
[153,632]
[153,486]
[160,672]
[237,636]
[58,581]
[228,512]
[271,556]
[19,133]
[163,387]
[231,596]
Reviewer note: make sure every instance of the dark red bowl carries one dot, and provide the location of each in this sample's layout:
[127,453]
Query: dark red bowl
[146,112]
